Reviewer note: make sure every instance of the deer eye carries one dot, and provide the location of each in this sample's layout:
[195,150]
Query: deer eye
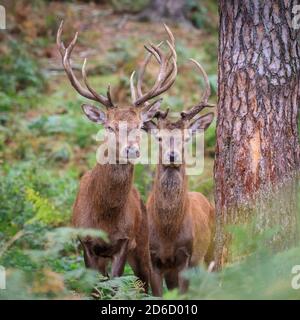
[110,129]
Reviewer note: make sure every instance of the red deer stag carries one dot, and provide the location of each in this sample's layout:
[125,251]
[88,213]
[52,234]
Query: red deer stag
[181,223]
[107,199]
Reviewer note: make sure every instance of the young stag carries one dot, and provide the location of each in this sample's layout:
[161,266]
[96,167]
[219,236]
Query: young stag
[181,223]
[107,199]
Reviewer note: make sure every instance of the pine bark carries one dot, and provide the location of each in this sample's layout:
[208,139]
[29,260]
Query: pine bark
[257,151]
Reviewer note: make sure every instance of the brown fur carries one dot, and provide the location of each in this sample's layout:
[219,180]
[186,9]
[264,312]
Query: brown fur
[181,227]
[107,200]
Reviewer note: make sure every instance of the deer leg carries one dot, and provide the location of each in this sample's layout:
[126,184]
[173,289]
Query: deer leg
[119,260]
[140,265]
[102,266]
[156,283]
[88,261]
[183,282]
[172,279]
[139,257]
[92,261]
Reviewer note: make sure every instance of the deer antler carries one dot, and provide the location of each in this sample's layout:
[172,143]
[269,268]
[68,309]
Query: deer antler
[88,93]
[166,76]
[188,115]
[162,114]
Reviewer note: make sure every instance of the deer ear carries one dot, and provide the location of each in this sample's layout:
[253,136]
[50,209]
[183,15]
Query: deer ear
[202,123]
[150,113]
[94,114]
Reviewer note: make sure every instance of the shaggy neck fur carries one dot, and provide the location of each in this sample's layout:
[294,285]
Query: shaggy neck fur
[170,198]
[110,187]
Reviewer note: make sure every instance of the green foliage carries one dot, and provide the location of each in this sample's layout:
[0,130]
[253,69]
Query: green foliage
[128,6]
[127,287]
[14,210]
[213,80]
[143,179]
[246,240]
[19,202]
[59,271]
[257,273]
[196,13]
[75,127]
[49,279]
[20,77]
[44,212]
[123,53]
[45,261]
[206,187]
[53,124]
[210,136]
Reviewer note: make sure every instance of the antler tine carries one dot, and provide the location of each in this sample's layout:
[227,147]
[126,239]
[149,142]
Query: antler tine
[206,93]
[171,36]
[150,94]
[173,51]
[60,44]
[166,75]
[132,88]
[142,70]
[172,44]
[106,101]
[108,93]
[153,52]
[188,115]
[173,65]
[141,75]
[66,54]
[169,83]
[158,52]
[161,114]
[173,69]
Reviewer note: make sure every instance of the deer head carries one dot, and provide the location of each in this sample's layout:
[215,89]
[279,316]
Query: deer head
[173,135]
[141,111]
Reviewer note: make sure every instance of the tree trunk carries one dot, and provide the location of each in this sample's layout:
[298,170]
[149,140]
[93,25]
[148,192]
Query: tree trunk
[169,9]
[257,152]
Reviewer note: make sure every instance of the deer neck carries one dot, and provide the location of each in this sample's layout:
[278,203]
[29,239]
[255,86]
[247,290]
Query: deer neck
[111,185]
[170,198]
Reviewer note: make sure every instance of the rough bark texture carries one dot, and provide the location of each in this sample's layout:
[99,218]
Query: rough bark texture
[257,152]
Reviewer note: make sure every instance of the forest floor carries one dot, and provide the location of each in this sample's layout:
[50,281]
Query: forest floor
[47,144]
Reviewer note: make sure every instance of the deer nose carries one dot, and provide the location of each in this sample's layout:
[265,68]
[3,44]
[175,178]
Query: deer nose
[172,156]
[132,152]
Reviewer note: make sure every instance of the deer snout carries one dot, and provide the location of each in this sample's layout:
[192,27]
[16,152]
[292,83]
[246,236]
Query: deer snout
[172,157]
[131,152]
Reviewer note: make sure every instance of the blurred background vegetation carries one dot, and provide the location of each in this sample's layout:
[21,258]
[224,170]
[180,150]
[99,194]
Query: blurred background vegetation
[46,144]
